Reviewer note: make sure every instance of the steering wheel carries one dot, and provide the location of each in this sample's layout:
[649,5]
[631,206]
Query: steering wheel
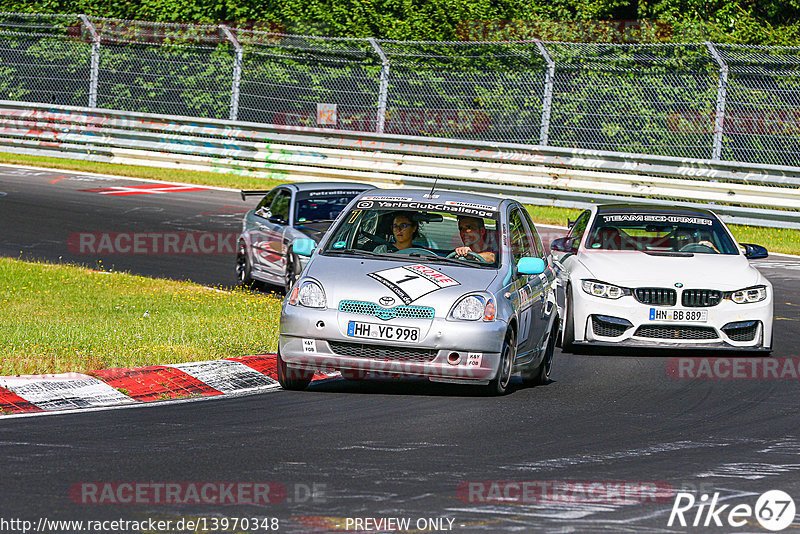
[470,254]
[698,247]
[418,250]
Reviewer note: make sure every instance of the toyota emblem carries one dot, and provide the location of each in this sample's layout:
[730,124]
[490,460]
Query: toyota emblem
[386,301]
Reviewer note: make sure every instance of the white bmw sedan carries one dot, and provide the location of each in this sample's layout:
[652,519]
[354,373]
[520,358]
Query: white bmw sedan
[660,276]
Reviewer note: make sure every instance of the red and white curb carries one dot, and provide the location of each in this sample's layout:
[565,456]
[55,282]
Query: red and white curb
[136,385]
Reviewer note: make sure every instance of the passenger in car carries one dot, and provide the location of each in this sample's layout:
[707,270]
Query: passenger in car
[474,236]
[405,229]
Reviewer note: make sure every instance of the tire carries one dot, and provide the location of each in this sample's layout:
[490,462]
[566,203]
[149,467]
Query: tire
[291,378]
[568,341]
[499,384]
[541,373]
[292,271]
[244,268]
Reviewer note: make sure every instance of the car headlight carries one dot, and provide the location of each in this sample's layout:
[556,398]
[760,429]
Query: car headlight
[474,308]
[748,295]
[309,294]
[604,290]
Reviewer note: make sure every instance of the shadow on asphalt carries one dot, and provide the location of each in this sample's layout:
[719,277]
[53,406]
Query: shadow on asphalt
[411,386]
[653,352]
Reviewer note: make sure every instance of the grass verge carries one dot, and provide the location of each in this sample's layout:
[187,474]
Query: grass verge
[775,239]
[61,318]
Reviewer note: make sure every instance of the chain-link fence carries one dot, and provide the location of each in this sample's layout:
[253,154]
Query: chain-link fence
[723,102]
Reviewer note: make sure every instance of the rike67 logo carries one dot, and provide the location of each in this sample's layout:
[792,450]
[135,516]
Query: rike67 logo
[774,510]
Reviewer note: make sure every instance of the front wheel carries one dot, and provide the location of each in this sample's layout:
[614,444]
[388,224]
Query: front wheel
[499,384]
[291,378]
[244,268]
[541,374]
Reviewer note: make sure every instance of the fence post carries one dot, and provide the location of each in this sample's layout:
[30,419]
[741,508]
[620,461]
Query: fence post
[237,71]
[547,97]
[722,91]
[94,71]
[383,90]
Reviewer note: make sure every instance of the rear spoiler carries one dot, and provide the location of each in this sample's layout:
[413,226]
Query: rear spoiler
[253,193]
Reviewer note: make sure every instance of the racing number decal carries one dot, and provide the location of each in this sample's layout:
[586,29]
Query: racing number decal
[416,280]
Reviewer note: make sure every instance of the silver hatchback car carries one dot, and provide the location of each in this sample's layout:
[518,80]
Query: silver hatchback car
[264,250]
[454,287]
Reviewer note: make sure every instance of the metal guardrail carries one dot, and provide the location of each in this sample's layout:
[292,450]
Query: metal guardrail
[725,102]
[754,194]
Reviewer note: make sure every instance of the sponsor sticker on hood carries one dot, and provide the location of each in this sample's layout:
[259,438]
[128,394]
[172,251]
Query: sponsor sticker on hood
[411,282]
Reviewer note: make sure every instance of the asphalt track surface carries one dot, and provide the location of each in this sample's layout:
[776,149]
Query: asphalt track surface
[391,448]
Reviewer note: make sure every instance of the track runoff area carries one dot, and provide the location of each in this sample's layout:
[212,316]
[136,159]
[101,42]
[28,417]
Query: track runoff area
[616,442]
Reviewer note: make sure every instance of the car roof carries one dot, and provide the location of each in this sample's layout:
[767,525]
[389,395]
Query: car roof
[631,207]
[326,186]
[439,195]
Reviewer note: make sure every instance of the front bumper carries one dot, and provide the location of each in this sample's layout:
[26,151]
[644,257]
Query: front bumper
[451,351]
[729,325]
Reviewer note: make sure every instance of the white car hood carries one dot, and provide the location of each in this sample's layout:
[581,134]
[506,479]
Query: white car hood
[701,271]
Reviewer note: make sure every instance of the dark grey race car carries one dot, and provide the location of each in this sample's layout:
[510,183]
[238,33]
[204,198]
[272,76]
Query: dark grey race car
[284,214]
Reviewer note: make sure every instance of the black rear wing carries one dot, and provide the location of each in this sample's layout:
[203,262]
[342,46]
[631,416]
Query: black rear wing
[253,193]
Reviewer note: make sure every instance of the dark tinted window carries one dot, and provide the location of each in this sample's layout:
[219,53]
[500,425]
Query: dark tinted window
[317,206]
[578,229]
[280,206]
[660,232]
[262,210]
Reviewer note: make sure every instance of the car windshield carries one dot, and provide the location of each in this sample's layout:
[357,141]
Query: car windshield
[660,232]
[318,206]
[435,235]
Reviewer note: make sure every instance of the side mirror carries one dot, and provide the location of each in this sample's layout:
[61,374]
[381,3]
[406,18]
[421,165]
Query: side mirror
[304,247]
[528,265]
[754,252]
[563,244]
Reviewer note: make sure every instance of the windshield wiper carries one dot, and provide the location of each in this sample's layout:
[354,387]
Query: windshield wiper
[353,252]
[461,263]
